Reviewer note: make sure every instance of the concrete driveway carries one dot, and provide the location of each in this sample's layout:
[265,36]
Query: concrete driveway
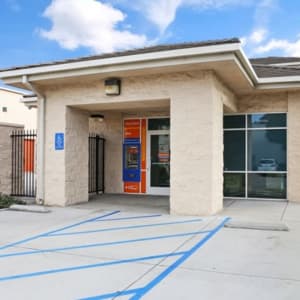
[86,252]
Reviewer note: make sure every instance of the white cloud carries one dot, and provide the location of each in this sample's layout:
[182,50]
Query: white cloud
[162,13]
[257,36]
[287,47]
[89,23]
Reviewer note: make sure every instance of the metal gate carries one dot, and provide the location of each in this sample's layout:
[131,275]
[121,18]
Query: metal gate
[23,168]
[96,163]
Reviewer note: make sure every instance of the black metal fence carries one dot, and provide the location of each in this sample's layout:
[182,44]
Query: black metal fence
[23,163]
[96,163]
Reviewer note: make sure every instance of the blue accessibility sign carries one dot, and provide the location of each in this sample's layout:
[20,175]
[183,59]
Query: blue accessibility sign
[59,141]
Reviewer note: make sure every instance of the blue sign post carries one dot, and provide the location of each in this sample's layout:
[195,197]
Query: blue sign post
[59,141]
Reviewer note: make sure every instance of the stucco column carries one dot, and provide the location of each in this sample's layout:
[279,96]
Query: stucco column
[196,149]
[293,147]
[76,156]
[66,170]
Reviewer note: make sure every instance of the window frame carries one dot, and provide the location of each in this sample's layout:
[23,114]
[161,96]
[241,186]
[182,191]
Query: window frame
[246,129]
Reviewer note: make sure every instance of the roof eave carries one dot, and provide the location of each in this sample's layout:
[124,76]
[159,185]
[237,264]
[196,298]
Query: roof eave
[10,76]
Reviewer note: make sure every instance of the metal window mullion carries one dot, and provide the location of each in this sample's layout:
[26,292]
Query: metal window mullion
[267,128]
[247,130]
[267,172]
[246,156]
[234,172]
[12,162]
[234,129]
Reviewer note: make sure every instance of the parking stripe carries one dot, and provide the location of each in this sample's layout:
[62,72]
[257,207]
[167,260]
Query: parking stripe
[124,228]
[90,266]
[129,218]
[160,237]
[177,263]
[57,230]
[114,295]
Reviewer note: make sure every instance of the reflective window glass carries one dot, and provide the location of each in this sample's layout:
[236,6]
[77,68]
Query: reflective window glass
[266,120]
[234,150]
[267,186]
[159,124]
[160,160]
[234,185]
[267,150]
[234,122]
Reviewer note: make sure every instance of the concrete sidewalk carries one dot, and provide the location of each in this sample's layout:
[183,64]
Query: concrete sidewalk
[231,264]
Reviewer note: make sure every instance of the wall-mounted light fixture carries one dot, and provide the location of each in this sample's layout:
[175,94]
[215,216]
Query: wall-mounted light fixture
[97,117]
[112,86]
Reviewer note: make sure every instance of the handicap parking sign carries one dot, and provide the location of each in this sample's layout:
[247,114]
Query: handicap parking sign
[59,141]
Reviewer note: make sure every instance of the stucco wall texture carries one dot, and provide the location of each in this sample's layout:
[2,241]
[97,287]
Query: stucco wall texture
[6,156]
[196,103]
[272,102]
[293,146]
[196,107]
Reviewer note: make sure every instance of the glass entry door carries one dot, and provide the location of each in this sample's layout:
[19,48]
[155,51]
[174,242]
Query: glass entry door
[158,166]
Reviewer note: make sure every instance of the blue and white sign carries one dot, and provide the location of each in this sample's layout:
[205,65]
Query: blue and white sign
[59,141]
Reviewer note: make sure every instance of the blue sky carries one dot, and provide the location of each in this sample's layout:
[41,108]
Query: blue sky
[46,30]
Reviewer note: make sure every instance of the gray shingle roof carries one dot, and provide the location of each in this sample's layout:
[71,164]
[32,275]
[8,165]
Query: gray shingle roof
[264,67]
[132,52]
[274,60]
[264,71]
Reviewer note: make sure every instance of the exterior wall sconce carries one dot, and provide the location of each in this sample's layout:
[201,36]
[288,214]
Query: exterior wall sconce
[97,117]
[112,86]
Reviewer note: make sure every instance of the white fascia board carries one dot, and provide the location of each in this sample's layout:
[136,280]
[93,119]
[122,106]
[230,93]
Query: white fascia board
[284,79]
[137,67]
[247,65]
[279,86]
[132,59]
[11,90]
[285,64]
[269,82]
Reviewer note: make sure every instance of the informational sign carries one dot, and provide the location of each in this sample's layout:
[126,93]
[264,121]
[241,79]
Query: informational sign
[59,141]
[132,129]
[132,187]
[164,148]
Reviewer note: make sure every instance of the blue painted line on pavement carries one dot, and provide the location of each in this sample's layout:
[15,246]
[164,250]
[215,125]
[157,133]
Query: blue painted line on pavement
[160,237]
[126,227]
[90,266]
[54,231]
[113,295]
[178,262]
[130,218]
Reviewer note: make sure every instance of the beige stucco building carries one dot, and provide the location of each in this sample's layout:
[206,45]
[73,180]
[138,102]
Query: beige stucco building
[13,110]
[198,122]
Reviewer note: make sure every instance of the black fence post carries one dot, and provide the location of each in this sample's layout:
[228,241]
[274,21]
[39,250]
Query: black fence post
[96,164]
[23,165]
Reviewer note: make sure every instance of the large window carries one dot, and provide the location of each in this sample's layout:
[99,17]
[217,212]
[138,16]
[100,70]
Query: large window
[255,160]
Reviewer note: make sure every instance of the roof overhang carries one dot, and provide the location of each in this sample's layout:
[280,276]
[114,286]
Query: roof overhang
[227,60]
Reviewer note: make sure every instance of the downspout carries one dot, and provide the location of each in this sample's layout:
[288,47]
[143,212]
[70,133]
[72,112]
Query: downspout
[40,197]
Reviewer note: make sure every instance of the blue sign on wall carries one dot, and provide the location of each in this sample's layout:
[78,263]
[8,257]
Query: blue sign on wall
[59,141]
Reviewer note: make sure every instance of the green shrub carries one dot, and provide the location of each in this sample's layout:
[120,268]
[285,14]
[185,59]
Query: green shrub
[7,201]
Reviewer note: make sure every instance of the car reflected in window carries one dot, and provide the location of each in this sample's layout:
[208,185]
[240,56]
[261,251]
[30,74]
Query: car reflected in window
[267,164]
